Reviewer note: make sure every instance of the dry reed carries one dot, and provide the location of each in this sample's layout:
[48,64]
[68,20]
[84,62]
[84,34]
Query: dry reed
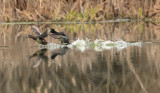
[77,10]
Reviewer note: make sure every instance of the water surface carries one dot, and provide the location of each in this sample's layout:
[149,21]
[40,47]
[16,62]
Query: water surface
[63,69]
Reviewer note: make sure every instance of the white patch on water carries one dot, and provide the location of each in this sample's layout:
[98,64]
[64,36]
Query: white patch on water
[79,44]
[97,45]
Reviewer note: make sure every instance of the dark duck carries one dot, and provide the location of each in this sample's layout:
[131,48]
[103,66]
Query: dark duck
[57,35]
[39,37]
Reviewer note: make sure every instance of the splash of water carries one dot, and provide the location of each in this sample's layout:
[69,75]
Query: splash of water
[97,45]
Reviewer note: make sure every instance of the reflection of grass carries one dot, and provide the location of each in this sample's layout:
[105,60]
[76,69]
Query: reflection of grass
[92,71]
[140,27]
[80,27]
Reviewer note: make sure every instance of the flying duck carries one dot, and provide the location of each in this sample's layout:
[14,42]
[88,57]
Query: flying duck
[57,35]
[39,37]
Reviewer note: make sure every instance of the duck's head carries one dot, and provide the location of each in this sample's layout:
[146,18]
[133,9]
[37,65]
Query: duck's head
[50,30]
[53,31]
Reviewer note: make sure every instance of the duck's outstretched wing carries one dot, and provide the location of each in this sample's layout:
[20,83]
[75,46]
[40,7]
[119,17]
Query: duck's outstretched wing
[45,34]
[36,30]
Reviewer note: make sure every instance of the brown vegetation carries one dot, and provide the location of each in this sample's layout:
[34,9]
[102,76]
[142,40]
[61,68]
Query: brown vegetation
[77,10]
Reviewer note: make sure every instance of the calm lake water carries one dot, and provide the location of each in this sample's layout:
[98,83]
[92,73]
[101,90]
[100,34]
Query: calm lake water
[133,66]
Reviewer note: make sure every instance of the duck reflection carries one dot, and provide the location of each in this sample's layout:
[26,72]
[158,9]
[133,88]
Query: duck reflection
[40,55]
[60,51]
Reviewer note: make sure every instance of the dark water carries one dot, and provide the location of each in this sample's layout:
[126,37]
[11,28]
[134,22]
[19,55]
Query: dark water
[25,67]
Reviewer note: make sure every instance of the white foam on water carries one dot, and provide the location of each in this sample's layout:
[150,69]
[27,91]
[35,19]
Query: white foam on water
[97,45]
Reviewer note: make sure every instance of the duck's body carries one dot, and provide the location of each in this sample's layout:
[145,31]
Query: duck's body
[58,35]
[39,38]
